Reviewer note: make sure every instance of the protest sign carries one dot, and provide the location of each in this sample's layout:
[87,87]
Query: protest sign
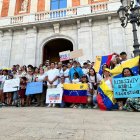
[128,87]
[64,55]
[34,88]
[76,54]
[54,95]
[11,85]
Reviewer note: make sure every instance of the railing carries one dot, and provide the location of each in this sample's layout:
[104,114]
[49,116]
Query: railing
[99,7]
[16,20]
[55,14]
[59,14]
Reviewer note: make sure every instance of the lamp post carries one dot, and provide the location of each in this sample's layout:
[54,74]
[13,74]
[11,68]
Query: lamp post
[130,13]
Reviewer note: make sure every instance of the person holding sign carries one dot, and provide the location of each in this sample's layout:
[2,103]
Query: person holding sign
[41,97]
[9,94]
[30,78]
[132,104]
[125,73]
[52,78]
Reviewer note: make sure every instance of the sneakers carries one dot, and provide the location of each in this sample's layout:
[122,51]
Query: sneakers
[51,105]
[95,107]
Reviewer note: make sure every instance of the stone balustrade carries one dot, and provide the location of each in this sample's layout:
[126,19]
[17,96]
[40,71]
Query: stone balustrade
[59,14]
[16,20]
[99,7]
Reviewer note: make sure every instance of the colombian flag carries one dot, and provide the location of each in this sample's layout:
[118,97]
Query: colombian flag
[100,61]
[105,97]
[133,64]
[75,93]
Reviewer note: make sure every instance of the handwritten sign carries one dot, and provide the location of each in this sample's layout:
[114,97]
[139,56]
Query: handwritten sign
[11,85]
[64,55]
[54,95]
[76,54]
[34,88]
[128,87]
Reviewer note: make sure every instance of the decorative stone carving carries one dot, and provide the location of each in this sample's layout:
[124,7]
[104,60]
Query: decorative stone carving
[24,6]
[90,22]
[56,27]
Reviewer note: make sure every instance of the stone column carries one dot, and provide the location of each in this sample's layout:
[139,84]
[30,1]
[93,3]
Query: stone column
[69,3]
[0,7]
[85,40]
[47,5]
[6,40]
[30,48]
[33,7]
[11,45]
[83,2]
[12,5]
[109,32]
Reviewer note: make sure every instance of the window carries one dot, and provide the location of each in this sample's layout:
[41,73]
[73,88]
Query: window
[58,4]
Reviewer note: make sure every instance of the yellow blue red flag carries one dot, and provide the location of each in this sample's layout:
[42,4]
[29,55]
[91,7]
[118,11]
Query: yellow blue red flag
[105,97]
[133,64]
[100,61]
[75,93]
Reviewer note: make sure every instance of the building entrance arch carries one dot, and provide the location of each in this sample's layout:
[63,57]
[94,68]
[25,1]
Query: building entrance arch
[54,46]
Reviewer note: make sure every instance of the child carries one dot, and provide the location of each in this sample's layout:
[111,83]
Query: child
[76,78]
[22,90]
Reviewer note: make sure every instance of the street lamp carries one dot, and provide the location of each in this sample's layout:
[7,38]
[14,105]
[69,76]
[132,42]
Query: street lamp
[130,13]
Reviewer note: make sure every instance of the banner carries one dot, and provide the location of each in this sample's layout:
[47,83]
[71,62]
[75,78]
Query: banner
[76,54]
[11,85]
[128,87]
[54,95]
[34,88]
[64,55]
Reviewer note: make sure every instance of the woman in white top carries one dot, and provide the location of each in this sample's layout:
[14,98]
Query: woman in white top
[4,77]
[95,79]
[41,97]
[108,79]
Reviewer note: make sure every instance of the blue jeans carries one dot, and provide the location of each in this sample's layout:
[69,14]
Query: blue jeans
[95,99]
[15,96]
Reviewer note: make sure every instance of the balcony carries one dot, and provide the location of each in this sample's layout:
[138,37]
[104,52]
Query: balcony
[98,9]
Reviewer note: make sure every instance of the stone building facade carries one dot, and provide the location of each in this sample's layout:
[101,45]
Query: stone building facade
[36,30]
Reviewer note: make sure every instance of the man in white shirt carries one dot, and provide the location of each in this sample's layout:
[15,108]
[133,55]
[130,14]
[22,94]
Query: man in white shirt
[65,73]
[85,68]
[52,76]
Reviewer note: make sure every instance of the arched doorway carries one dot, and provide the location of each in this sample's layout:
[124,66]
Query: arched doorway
[53,47]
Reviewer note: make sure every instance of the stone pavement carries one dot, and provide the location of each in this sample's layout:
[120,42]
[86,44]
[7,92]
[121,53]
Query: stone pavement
[67,124]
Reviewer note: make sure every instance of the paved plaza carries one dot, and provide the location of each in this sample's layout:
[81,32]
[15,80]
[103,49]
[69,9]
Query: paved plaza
[67,124]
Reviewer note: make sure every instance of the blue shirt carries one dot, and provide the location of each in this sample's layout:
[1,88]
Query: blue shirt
[73,70]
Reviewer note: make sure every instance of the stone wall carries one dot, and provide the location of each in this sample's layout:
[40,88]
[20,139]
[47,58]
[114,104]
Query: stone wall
[99,37]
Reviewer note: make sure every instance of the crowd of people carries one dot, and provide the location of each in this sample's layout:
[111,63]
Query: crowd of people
[54,74]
